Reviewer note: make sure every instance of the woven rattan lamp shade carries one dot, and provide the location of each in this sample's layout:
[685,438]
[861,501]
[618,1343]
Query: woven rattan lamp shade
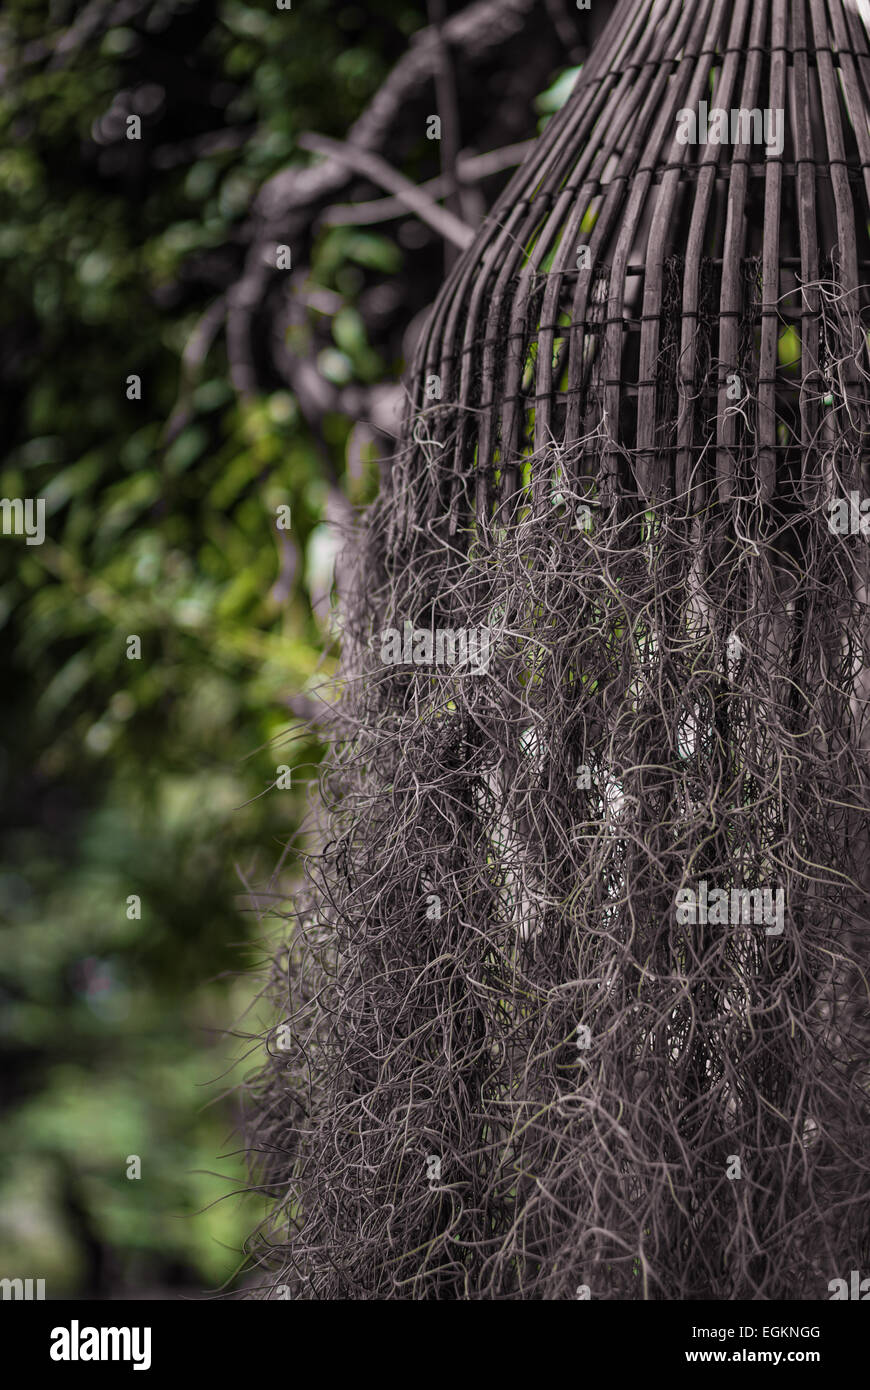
[701,257]
[634,488]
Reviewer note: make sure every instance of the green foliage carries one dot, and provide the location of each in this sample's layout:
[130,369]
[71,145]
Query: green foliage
[554,98]
[151,777]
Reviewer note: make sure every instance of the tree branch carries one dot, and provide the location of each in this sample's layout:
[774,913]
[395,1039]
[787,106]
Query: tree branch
[469,169]
[379,171]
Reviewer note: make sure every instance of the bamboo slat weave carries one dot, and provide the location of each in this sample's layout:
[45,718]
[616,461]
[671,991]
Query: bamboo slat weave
[702,257]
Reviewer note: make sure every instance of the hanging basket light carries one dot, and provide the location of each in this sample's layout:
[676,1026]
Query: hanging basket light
[581,1005]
